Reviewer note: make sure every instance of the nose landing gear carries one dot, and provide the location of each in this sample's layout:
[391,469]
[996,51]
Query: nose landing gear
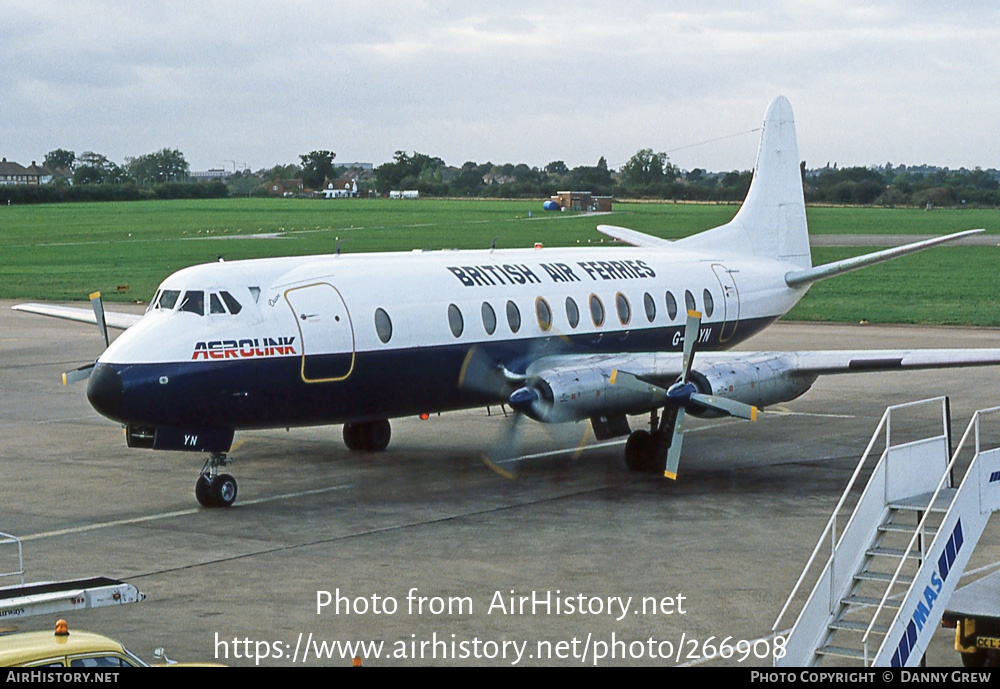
[212,488]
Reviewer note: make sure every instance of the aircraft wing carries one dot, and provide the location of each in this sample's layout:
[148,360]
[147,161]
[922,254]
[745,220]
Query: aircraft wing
[119,321]
[572,387]
[664,365]
[857,361]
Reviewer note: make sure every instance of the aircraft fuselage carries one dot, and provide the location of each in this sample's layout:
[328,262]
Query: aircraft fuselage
[348,338]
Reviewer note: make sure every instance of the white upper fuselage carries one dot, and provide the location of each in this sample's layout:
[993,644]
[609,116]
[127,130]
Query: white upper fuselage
[328,304]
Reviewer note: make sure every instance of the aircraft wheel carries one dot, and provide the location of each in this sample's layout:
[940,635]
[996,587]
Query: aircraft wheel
[352,436]
[203,491]
[376,435]
[223,491]
[638,451]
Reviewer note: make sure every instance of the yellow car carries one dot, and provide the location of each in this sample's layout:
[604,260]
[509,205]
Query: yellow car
[64,649]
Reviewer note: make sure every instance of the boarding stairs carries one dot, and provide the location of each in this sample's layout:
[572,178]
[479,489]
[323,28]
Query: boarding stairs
[49,597]
[899,556]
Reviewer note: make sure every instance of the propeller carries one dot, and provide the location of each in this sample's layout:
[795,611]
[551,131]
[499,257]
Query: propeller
[481,374]
[82,373]
[684,395]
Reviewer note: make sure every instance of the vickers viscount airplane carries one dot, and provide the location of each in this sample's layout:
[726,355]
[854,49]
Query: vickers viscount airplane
[558,334]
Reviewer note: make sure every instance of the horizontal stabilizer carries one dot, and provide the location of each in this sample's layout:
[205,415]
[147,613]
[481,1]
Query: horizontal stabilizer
[118,321]
[797,278]
[633,237]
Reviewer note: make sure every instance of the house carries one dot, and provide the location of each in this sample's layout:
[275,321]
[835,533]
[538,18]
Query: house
[285,187]
[15,173]
[583,201]
[342,188]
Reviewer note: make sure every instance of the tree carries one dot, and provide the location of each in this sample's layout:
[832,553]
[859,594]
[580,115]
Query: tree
[317,166]
[60,159]
[595,179]
[557,167]
[647,173]
[95,168]
[166,165]
[418,171]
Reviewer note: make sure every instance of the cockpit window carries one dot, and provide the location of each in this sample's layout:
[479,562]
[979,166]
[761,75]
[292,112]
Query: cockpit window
[168,299]
[152,302]
[234,306]
[215,304]
[193,301]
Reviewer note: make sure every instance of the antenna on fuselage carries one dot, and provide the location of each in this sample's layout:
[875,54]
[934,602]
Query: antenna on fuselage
[493,244]
[339,242]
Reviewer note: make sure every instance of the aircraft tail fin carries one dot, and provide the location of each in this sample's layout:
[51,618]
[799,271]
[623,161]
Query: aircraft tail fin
[772,220]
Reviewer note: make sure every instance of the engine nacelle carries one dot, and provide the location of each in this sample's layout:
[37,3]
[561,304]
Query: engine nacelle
[573,395]
[760,382]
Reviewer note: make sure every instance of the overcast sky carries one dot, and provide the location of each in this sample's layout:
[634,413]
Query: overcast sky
[259,83]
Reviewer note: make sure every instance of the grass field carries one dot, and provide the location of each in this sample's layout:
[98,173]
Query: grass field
[66,251]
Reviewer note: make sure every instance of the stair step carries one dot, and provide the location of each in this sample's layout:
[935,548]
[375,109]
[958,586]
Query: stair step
[920,502]
[868,600]
[884,577]
[852,626]
[841,651]
[907,528]
[892,552]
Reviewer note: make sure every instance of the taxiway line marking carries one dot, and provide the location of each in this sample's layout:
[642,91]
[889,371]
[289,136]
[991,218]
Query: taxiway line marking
[170,515]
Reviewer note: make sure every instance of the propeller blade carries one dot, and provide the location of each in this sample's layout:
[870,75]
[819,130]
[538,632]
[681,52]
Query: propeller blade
[102,324]
[481,374]
[726,406]
[507,448]
[674,453]
[78,374]
[637,384]
[691,330]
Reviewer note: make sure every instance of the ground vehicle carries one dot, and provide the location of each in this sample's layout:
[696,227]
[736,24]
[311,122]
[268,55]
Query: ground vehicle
[64,649]
[975,614]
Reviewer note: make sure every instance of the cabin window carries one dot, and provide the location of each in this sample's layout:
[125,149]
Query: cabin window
[689,301]
[572,312]
[596,310]
[624,308]
[233,305]
[489,318]
[671,306]
[513,317]
[194,302]
[709,303]
[383,325]
[168,299]
[544,314]
[650,305]
[215,304]
[455,321]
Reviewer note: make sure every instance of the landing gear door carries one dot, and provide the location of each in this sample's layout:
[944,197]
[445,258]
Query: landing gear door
[325,332]
[730,301]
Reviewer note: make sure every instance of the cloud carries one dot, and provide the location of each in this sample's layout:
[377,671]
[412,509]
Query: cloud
[263,82]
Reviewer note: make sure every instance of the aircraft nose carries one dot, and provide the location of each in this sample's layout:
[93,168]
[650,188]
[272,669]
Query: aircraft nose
[105,391]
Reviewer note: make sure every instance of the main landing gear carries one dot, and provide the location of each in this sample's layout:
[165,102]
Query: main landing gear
[646,451]
[212,488]
[370,436]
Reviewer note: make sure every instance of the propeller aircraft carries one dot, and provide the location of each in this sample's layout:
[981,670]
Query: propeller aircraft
[558,334]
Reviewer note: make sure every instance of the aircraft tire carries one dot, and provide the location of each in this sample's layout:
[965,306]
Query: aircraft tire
[376,435]
[223,491]
[203,491]
[352,436]
[638,451]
